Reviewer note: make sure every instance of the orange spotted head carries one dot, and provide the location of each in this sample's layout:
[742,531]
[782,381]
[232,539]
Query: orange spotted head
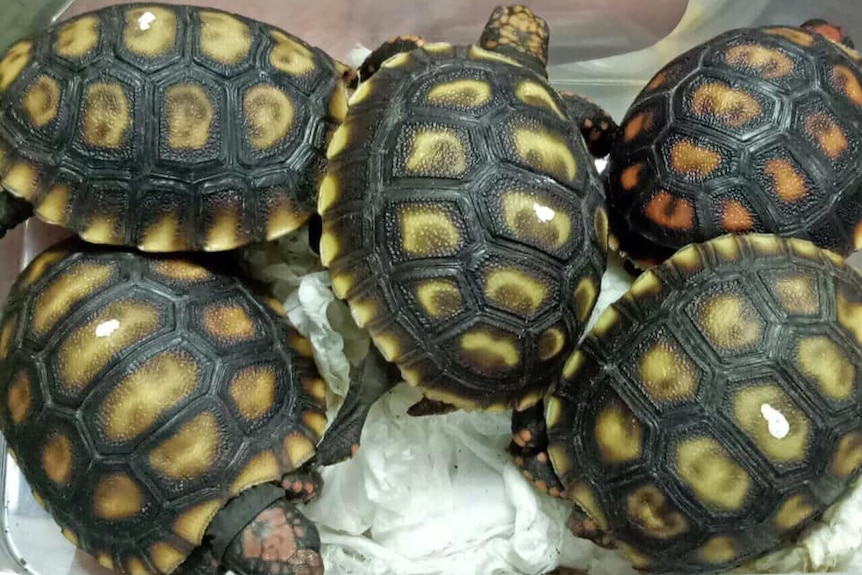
[515,31]
[832,31]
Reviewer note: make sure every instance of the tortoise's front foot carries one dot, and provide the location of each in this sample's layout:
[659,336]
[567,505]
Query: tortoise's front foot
[537,469]
[596,125]
[582,526]
[529,432]
[305,485]
[529,446]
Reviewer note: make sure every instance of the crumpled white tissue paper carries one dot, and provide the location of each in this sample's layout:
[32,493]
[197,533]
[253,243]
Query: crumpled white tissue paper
[295,276]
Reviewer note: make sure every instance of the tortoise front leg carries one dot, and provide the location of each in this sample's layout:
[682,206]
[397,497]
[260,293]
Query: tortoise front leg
[596,125]
[581,525]
[529,446]
[303,485]
[368,382]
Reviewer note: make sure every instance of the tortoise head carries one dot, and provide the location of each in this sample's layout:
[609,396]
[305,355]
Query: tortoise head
[515,31]
[832,31]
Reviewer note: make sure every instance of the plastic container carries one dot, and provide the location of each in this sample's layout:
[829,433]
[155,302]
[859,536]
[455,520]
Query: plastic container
[604,50]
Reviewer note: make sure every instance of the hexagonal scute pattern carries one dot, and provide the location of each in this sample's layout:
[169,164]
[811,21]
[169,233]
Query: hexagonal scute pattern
[170,387]
[771,114]
[463,222]
[700,431]
[152,109]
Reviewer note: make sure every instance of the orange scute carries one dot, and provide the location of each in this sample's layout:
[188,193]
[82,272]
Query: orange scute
[845,81]
[821,127]
[786,181]
[736,217]
[692,160]
[670,212]
[637,125]
[630,176]
[768,62]
[657,81]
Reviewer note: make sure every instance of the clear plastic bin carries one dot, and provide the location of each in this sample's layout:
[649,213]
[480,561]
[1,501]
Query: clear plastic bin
[603,49]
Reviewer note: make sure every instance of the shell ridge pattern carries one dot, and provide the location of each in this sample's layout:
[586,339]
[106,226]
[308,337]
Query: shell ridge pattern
[131,526]
[143,68]
[477,237]
[790,127]
[775,471]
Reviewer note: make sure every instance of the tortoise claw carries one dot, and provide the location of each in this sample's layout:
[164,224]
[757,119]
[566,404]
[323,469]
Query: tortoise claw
[585,528]
[529,431]
[303,485]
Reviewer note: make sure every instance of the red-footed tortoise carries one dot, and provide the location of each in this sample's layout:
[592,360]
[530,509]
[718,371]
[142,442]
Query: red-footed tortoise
[165,413]
[712,413]
[463,219]
[756,130]
[166,127]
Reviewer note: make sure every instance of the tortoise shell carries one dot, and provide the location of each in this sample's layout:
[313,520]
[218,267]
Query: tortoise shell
[757,130]
[712,413]
[169,128]
[464,223]
[140,393]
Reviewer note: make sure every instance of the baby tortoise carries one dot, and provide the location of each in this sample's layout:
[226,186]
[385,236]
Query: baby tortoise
[167,128]
[461,212]
[712,413]
[597,126]
[166,415]
[756,130]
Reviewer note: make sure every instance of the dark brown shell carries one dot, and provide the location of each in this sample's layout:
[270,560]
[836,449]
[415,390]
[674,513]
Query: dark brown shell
[464,222]
[757,130]
[712,413]
[140,393]
[166,127]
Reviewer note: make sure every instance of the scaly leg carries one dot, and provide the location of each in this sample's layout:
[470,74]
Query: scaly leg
[530,447]
[596,125]
[368,382]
